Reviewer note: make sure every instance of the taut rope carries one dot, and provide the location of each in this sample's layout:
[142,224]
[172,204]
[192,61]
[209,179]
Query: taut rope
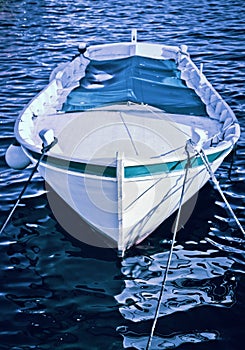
[187,166]
[216,183]
[44,150]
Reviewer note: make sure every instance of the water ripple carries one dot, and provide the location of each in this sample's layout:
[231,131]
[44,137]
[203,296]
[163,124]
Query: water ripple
[195,279]
[137,341]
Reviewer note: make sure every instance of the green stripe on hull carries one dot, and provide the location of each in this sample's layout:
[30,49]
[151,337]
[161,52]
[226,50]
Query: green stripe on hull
[129,171]
[155,169]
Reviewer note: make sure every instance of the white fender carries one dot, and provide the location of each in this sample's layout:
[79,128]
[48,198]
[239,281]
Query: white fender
[16,158]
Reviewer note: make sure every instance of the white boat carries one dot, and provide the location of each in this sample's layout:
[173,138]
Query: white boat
[129,117]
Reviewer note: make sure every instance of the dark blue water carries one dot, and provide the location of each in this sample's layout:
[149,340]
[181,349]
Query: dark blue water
[56,293]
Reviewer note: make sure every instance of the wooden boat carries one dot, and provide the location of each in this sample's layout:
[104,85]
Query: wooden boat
[129,118]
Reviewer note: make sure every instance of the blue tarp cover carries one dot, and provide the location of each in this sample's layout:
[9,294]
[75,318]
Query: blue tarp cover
[136,79]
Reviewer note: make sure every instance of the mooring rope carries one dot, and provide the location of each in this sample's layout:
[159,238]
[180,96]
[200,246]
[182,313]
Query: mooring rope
[44,150]
[187,166]
[216,183]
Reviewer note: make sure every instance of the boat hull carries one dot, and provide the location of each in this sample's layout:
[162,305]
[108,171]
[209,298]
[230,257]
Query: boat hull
[146,201]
